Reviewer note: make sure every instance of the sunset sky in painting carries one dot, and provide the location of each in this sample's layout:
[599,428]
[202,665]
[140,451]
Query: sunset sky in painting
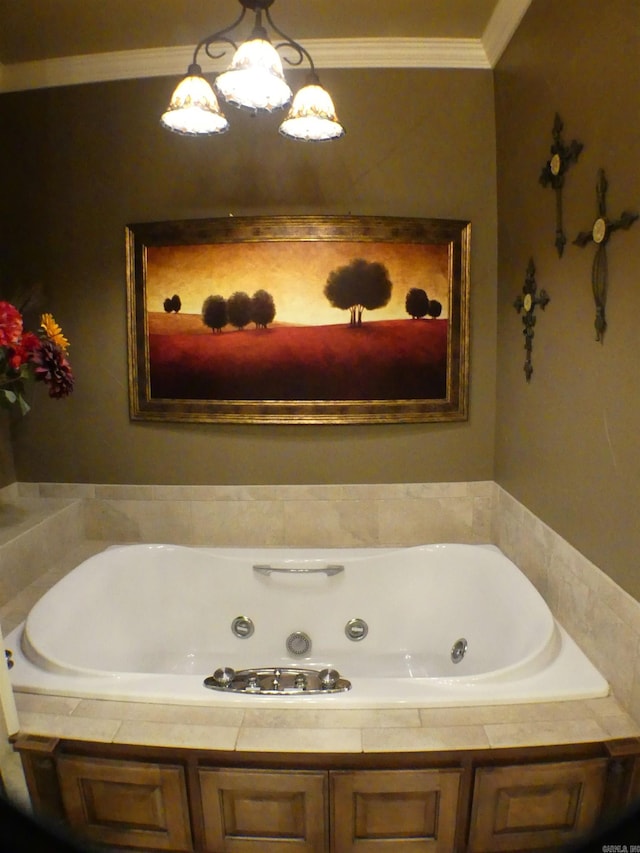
[295,274]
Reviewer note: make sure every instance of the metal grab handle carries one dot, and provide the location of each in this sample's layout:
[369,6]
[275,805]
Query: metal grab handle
[329,570]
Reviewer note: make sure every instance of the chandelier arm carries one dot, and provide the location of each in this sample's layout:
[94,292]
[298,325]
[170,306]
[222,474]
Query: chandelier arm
[220,36]
[218,39]
[302,52]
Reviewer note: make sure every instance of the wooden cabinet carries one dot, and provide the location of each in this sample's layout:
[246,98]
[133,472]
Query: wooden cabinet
[540,805]
[179,800]
[126,803]
[400,811]
[266,811]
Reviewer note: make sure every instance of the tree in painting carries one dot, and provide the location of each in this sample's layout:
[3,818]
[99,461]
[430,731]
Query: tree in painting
[416,303]
[214,313]
[358,286]
[239,309]
[435,308]
[172,304]
[263,309]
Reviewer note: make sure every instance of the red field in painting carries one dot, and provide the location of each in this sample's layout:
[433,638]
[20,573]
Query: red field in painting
[385,360]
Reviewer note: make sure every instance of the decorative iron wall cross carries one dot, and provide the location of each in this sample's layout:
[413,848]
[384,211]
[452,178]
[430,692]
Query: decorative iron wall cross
[601,230]
[527,303]
[553,174]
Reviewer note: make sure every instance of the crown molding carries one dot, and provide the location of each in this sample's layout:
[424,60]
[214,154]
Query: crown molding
[398,53]
[503,23]
[327,53]
[173,61]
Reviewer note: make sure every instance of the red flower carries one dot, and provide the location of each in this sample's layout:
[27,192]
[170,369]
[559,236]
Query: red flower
[10,325]
[23,350]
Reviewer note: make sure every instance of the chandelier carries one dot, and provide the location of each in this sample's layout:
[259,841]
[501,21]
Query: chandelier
[253,81]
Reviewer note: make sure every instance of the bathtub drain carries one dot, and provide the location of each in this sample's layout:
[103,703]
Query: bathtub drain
[298,643]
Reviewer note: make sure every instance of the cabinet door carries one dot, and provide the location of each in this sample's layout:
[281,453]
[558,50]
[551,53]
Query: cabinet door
[266,811]
[399,811]
[522,807]
[126,803]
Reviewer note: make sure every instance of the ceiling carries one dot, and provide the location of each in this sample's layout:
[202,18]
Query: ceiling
[61,42]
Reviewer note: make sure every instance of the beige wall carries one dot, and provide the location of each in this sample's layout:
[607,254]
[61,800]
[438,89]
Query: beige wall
[7,469]
[86,160]
[568,442]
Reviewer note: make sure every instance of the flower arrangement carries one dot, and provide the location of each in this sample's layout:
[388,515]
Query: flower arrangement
[25,356]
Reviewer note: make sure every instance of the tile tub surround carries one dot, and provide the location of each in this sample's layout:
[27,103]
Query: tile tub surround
[297,516]
[602,618]
[331,730]
[34,532]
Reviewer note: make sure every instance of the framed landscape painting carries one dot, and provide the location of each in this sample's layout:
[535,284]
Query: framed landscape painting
[298,319]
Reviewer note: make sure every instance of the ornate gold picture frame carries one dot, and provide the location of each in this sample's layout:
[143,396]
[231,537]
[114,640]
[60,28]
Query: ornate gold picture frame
[298,319]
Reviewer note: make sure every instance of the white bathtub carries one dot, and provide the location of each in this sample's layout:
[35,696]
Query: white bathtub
[150,622]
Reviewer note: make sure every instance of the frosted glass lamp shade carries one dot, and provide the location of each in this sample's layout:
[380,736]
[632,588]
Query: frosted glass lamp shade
[255,79]
[312,117]
[193,109]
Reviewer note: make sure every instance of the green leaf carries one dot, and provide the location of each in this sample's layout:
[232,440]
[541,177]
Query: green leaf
[8,399]
[24,406]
